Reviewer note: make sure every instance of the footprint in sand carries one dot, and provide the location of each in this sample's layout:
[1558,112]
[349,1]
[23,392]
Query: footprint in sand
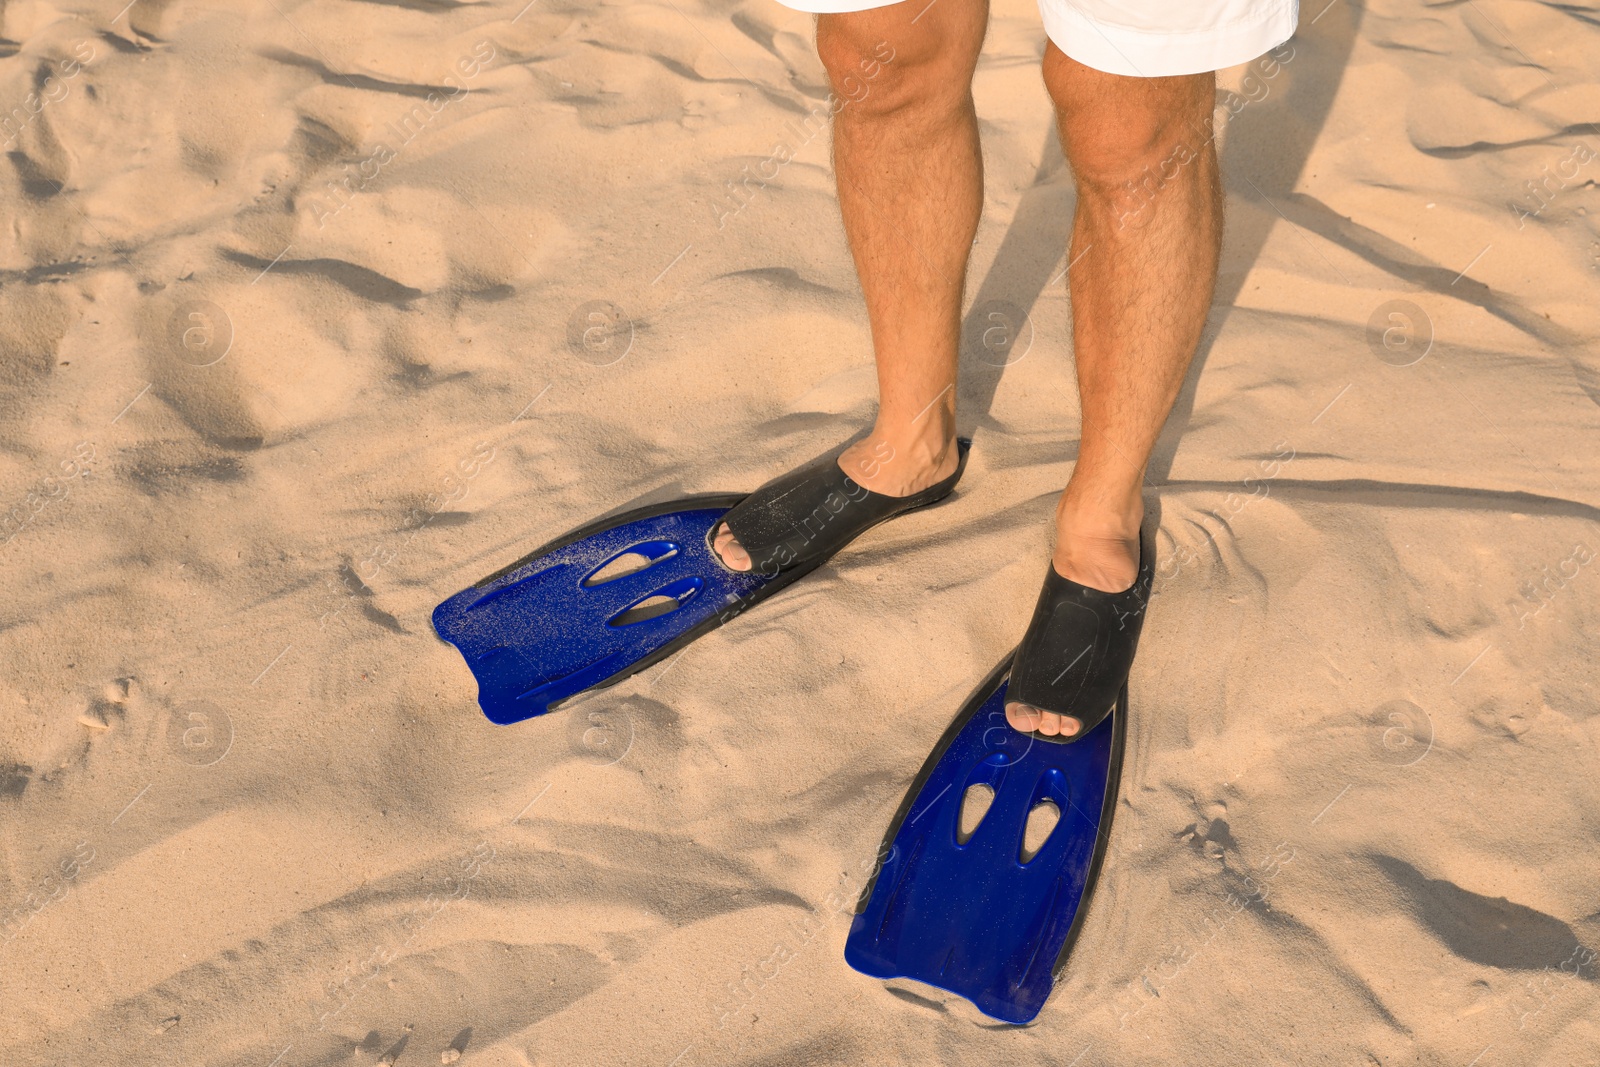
[450,1054]
[457,1046]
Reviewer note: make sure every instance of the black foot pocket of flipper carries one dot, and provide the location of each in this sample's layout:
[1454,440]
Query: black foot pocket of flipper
[1076,655]
[805,516]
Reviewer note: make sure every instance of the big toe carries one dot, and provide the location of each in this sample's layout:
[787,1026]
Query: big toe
[1030,719]
[1023,717]
[729,550]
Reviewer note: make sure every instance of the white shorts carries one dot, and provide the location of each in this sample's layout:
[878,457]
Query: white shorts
[1143,38]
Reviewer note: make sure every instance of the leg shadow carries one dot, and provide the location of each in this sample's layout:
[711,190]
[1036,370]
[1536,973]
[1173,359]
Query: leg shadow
[998,327]
[1267,146]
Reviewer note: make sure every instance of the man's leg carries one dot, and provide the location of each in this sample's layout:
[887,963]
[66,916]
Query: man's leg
[905,151]
[1145,259]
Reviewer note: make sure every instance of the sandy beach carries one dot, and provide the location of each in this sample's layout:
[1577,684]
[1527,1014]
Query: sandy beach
[313,313]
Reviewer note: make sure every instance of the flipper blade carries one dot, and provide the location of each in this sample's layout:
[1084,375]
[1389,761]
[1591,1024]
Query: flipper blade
[534,634]
[973,918]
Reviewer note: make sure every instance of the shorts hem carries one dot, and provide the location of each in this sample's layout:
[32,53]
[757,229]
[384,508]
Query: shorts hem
[1128,52]
[838,7]
[1140,54]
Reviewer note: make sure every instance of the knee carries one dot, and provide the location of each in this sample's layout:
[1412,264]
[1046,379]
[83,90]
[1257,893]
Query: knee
[1133,130]
[855,60]
[872,74]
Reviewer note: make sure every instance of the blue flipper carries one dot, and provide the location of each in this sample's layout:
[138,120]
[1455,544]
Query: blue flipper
[537,633]
[970,916]
[545,629]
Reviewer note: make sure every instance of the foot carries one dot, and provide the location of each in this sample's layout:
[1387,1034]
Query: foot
[1096,548]
[876,463]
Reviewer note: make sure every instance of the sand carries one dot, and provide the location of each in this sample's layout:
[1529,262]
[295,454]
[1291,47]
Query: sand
[313,313]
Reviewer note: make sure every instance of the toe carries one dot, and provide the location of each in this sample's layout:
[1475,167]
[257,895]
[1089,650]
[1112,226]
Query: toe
[729,550]
[1022,717]
[1030,719]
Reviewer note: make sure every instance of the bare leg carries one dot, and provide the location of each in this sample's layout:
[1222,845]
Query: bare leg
[1148,230]
[910,176]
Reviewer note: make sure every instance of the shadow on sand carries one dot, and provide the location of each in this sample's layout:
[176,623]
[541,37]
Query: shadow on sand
[1266,148]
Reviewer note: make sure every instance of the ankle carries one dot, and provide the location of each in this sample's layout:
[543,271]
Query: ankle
[899,468]
[1097,537]
[1107,562]
[919,451]
[1100,516]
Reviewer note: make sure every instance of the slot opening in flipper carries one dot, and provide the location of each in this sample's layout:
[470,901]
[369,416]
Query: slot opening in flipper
[974,806]
[663,601]
[632,560]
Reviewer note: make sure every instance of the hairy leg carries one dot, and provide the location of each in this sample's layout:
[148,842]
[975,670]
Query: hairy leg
[910,178]
[1145,243]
